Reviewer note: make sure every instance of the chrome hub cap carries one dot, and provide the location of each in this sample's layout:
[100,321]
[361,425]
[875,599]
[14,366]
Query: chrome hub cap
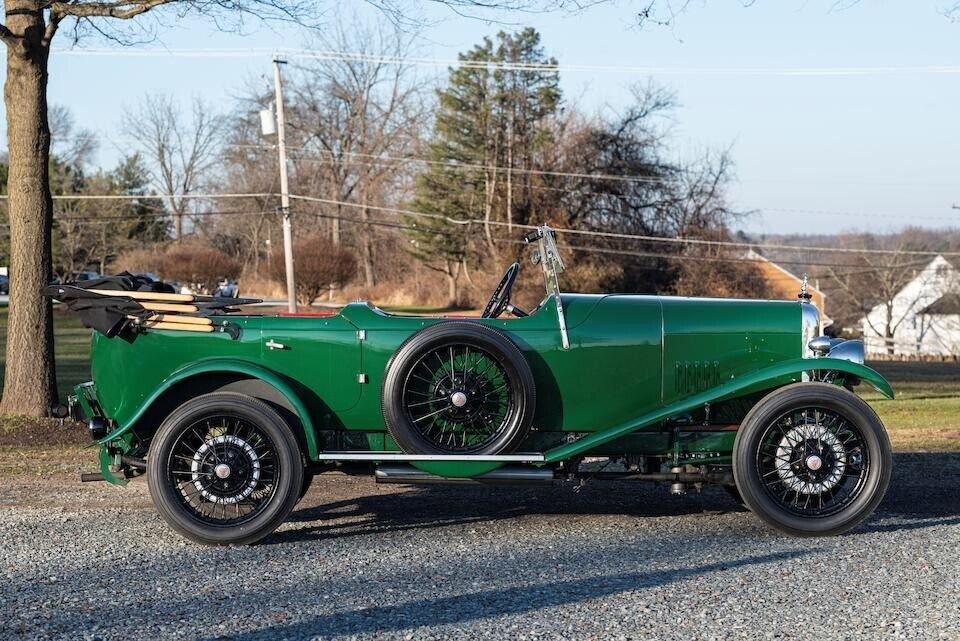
[227,452]
[823,455]
[459,399]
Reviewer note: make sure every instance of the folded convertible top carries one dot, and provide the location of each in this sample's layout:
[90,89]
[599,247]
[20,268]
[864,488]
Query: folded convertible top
[115,304]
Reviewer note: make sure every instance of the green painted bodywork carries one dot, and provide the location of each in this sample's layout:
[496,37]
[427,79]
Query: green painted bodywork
[634,363]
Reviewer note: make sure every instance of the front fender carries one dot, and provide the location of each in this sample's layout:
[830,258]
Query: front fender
[233,367]
[775,375]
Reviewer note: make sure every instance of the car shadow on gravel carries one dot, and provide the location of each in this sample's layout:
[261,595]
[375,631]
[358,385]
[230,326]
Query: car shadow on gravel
[491,603]
[924,492]
[436,506]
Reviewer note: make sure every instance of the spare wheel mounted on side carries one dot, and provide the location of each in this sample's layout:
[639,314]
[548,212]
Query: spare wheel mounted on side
[458,388]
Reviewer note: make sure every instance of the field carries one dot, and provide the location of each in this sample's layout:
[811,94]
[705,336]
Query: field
[925,416]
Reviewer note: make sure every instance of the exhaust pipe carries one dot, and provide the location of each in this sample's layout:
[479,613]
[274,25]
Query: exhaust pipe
[507,475]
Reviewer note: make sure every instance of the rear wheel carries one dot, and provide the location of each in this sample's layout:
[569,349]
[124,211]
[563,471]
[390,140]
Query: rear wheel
[224,469]
[458,388]
[812,459]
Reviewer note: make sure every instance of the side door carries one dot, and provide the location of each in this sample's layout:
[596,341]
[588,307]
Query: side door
[321,355]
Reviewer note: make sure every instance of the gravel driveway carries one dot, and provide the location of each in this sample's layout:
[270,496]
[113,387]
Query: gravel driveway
[613,561]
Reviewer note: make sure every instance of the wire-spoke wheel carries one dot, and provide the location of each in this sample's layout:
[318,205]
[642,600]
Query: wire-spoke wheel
[224,468]
[812,458]
[813,461]
[458,388]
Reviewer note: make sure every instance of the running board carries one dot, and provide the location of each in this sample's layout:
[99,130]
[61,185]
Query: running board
[523,457]
[508,475]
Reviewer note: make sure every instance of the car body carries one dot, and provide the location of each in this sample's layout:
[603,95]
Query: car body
[662,387]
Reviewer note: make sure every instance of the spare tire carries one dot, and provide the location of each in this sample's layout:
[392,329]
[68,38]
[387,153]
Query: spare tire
[458,388]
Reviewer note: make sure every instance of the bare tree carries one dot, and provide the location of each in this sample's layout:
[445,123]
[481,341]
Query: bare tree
[355,118]
[182,151]
[877,281]
[248,168]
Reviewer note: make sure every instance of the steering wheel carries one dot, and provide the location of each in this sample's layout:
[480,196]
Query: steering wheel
[500,300]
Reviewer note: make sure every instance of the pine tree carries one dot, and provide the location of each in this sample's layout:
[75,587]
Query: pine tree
[490,120]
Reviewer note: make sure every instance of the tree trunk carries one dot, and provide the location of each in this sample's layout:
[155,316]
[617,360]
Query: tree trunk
[888,333]
[366,242]
[451,274]
[335,235]
[30,380]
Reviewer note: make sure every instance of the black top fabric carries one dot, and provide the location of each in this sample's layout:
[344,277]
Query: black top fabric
[127,282]
[106,314]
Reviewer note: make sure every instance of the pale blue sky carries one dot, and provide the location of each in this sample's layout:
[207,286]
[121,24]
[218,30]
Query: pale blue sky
[813,153]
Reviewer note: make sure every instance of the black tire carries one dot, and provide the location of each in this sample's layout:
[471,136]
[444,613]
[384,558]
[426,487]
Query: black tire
[493,418]
[812,459]
[196,442]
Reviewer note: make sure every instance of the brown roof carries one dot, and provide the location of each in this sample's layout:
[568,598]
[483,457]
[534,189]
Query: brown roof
[783,283]
[946,304]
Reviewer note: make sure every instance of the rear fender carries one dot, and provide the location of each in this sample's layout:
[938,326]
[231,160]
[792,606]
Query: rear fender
[226,366]
[775,375]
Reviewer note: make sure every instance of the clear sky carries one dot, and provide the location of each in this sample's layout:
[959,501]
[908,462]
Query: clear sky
[813,152]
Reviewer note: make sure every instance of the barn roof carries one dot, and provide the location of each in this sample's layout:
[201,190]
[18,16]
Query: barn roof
[946,304]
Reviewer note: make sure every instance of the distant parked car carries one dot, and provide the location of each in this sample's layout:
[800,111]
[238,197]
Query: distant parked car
[4,285]
[85,276]
[227,289]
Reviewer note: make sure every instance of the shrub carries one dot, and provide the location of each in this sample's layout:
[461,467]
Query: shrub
[317,264]
[140,260]
[197,264]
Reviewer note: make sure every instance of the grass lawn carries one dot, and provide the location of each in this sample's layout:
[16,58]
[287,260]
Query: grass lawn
[71,350]
[924,417]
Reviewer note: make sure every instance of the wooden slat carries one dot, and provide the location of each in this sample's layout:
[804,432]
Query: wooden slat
[169,307]
[183,327]
[173,318]
[157,296]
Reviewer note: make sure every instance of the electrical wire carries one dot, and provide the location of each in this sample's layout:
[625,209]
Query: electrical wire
[623,236]
[679,240]
[315,54]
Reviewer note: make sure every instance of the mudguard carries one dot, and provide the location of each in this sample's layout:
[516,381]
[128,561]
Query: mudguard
[776,375]
[233,367]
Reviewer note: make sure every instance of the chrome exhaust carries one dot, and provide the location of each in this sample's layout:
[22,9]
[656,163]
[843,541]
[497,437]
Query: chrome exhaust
[507,475]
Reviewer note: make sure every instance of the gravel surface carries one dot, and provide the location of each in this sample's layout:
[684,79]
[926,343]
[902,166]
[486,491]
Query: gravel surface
[613,561]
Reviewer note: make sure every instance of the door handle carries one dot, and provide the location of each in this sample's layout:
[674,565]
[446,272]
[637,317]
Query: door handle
[272,344]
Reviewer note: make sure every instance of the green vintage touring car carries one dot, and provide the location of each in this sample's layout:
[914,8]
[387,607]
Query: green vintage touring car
[230,415]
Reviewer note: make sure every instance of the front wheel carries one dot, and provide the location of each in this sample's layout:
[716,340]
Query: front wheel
[812,459]
[224,469]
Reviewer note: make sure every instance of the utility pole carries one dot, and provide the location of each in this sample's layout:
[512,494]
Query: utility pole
[284,190]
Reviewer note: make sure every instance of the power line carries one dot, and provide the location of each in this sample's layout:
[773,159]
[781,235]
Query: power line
[150,196]
[464,166]
[472,221]
[624,236]
[313,54]
[384,159]
[860,269]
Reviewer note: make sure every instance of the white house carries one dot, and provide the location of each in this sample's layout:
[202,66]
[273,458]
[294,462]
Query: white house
[924,316]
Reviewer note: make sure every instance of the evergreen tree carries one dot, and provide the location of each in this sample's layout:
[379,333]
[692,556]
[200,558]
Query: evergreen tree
[490,121]
[145,220]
